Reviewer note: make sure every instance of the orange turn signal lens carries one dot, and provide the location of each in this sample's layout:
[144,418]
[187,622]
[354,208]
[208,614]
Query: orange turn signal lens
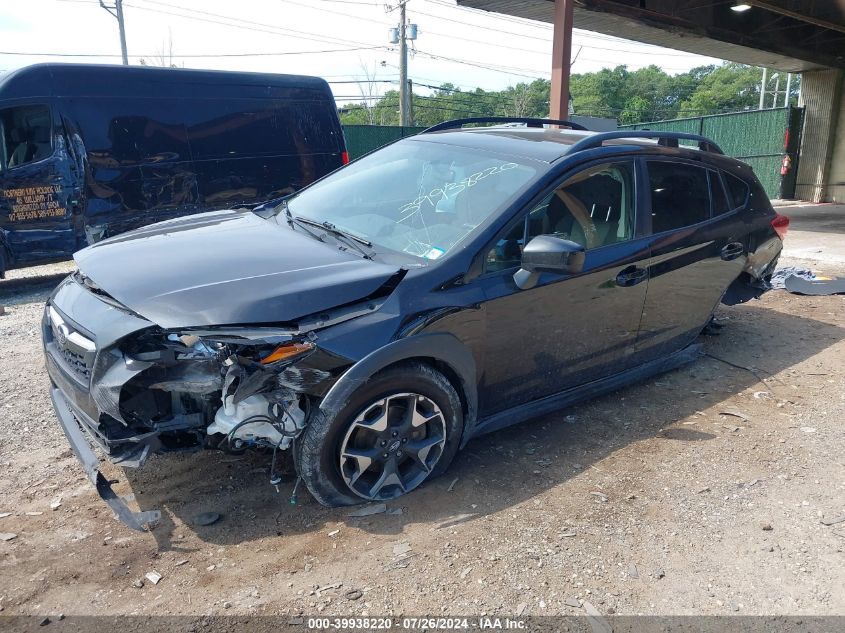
[287,350]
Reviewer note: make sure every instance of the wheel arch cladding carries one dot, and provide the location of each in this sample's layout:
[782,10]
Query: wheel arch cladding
[440,350]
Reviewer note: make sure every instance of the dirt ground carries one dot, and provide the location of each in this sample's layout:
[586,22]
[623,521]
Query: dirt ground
[701,491]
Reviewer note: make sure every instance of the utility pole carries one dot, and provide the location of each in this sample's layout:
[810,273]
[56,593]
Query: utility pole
[117,12]
[400,36]
[763,84]
[404,118]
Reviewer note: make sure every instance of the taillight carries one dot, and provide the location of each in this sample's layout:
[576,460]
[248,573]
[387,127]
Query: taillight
[781,225]
[344,157]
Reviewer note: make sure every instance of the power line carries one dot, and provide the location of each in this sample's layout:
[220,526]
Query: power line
[510,18]
[369,4]
[194,55]
[334,12]
[371,81]
[244,24]
[507,70]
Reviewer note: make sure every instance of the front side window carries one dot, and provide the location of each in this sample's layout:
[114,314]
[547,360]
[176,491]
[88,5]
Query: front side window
[680,195]
[416,197]
[26,135]
[594,208]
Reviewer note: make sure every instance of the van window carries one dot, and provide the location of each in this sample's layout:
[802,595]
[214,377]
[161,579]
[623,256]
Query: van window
[129,132]
[26,132]
[238,128]
[680,195]
[738,191]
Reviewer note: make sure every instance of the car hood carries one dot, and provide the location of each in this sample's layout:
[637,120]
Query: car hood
[226,268]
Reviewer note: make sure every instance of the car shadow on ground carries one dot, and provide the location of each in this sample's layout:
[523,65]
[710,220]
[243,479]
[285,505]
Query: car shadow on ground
[500,470]
[28,289]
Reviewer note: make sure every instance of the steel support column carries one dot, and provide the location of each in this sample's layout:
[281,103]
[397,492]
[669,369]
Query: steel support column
[561,57]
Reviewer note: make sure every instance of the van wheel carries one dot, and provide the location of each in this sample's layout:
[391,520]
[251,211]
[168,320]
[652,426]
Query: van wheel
[4,262]
[403,427]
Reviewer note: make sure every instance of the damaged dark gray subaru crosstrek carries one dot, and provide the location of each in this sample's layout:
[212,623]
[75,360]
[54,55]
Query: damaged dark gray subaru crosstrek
[445,286]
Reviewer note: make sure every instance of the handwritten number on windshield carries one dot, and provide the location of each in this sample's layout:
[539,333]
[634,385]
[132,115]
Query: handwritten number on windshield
[452,189]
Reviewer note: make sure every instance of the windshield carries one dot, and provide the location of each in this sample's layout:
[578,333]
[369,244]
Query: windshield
[415,197]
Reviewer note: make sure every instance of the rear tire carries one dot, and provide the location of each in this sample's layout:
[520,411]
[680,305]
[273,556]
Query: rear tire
[408,422]
[4,262]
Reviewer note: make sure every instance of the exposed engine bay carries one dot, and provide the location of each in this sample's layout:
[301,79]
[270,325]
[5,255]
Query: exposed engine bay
[232,396]
[227,393]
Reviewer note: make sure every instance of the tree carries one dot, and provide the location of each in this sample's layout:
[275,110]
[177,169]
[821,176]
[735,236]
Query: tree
[164,56]
[644,95]
[636,109]
[726,88]
[369,92]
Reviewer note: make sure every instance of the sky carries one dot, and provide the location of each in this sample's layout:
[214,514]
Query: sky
[340,40]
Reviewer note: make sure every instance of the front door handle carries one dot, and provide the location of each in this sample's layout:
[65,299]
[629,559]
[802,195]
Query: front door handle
[732,251]
[631,276]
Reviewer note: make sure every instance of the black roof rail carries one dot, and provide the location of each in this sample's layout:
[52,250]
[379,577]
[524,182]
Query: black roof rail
[667,139]
[530,122]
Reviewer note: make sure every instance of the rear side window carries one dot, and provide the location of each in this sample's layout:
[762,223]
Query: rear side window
[680,195]
[26,135]
[717,194]
[737,190]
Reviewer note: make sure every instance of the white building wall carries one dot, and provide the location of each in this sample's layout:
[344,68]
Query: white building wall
[836,175]
[822,99]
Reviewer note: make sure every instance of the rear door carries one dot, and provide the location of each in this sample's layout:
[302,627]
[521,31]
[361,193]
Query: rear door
[568,329]
[36,185]
[698,247]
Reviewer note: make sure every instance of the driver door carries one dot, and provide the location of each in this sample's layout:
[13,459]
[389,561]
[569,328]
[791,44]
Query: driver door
[37,187]
[569,329]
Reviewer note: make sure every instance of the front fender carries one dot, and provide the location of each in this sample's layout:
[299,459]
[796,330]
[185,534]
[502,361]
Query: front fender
[439,346]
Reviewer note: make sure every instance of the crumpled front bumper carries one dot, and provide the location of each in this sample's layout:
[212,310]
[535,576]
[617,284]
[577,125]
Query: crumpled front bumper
[90,462]
[70,354]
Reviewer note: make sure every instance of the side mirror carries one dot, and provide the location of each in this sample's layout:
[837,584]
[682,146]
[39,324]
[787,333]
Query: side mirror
[546,253]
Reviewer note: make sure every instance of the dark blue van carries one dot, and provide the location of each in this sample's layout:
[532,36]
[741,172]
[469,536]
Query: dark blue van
[89,151]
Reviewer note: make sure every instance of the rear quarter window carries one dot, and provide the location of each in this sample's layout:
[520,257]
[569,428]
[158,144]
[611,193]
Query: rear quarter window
[717,194]
[680,195]
[737,191]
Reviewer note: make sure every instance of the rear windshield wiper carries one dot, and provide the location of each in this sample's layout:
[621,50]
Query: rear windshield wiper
[347,237]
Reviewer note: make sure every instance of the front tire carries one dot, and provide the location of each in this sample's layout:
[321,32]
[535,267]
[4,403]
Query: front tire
[403,427]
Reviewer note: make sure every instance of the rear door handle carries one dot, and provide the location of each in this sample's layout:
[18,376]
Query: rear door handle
[732,251]
[631,276]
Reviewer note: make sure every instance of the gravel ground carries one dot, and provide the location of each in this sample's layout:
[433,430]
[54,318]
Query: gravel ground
[701,491]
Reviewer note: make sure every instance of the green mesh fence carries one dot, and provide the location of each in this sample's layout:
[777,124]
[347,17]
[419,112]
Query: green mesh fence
[754,137]
[362,139]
